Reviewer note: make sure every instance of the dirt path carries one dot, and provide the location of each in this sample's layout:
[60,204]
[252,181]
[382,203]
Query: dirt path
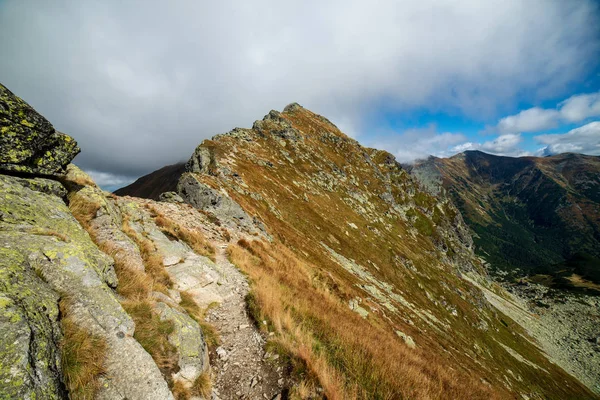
[241,369]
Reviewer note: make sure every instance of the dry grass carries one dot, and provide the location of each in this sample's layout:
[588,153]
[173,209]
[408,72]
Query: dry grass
[49,232]
[202,386]
[153,334]
[193,238]
[153,262]
[82,356]
[181,391]
[225,234]
[351,358]
[211,335]
[82,208]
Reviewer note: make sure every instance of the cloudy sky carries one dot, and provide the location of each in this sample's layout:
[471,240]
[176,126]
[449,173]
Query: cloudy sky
[140,83]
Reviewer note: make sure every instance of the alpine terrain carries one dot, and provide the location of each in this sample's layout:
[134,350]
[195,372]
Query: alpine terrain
[282,261]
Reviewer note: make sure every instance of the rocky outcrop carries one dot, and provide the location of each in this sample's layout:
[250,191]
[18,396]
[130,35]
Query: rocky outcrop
[170,197]
[106,226]
[203,197]
[58,282]
[46,255]
[29,144]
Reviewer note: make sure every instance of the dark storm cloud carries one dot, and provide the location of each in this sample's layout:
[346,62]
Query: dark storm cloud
[140,83]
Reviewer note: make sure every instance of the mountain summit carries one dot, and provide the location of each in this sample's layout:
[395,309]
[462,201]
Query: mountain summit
[362,273]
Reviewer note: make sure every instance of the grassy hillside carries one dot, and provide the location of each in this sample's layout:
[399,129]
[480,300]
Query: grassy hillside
[361,283]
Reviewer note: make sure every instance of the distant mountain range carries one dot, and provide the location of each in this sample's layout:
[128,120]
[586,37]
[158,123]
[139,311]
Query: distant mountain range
[528,215]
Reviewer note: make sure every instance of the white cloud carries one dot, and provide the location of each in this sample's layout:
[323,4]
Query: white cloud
[505,145]
[140,83]
[109,180]
[585,139]
[420,143]
[575,109]
[581,107]
[531,120]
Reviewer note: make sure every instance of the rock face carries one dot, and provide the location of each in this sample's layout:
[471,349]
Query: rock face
[46,255]
[47,258]
[29,144]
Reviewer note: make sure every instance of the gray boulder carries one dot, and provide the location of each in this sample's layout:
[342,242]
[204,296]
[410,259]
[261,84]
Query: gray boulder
[170,197]
[188,338]
[206,198]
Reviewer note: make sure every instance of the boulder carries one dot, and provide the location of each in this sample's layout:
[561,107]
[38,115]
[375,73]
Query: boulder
[188,338]
[29,144]
[203,197]
[170,197]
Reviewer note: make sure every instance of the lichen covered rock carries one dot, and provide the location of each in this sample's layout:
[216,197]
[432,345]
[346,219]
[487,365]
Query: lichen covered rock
[29,144]
[188,338]
[170,197]
[29,331]
[45,255]
[204,197]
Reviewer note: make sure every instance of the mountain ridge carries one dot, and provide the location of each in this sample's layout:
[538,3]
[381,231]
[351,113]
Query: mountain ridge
[363,225]
[552,204]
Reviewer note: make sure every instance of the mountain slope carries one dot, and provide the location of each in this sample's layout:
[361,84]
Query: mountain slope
[360,281]
[536,215]
[152,185]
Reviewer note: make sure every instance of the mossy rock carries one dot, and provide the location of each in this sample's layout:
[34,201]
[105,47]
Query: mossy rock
[29,144]
[29,331]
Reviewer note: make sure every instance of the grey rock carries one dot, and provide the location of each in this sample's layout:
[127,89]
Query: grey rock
[275,124]
[205,198]
[407,339]
[170,197]
[37,268]
[188,338]
[201,161]
[106,226]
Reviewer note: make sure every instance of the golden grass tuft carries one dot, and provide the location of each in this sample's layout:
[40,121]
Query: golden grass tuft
[83,209]
[181,391]
[153,335]
[202,386]
[195,239]
[133,284]
[153,262]
[49,232]
[225,234]
[82,354]
[211,336]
